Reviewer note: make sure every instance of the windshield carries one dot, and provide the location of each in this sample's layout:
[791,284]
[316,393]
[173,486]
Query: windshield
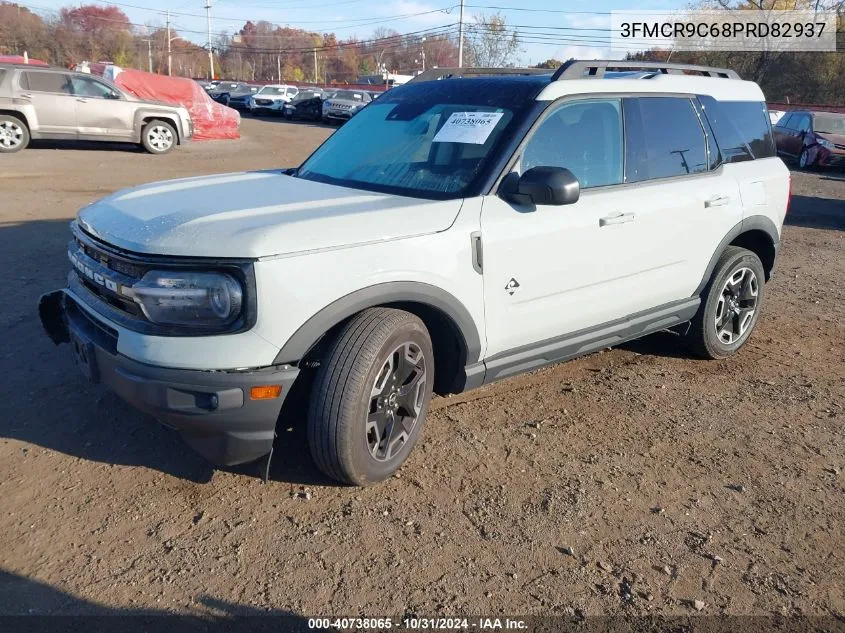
[271,90]
[830,124]
[349,95]
[428,150]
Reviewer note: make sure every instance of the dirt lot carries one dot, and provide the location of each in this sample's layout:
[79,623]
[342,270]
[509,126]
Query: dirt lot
[672,480]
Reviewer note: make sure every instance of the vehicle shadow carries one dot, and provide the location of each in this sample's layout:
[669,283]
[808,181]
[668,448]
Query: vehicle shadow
[666,344]
[816,213]
[90,146]
[46,402]
[32,606]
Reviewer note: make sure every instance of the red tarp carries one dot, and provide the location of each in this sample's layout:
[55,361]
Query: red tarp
[19,59]
[212,120]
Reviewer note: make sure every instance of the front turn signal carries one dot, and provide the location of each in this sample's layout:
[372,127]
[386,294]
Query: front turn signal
[265,392]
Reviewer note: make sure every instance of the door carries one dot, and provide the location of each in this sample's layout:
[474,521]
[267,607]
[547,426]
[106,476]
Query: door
[802,127]
[673,167]
[50,94]
[550,271]
[781,132]
[102,113]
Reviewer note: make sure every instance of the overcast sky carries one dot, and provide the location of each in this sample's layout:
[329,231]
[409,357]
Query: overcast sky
[548,30]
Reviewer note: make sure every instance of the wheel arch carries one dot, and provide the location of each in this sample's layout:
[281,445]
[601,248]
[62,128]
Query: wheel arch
[146,117]
[756,233]
[18,115]
[454,334]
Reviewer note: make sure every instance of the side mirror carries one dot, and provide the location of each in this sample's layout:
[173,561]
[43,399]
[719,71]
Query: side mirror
[554,186]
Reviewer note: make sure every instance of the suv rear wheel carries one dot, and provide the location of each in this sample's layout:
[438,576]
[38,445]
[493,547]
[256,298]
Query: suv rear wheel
[158,137]
[730,305]
[14,135]
[371,396]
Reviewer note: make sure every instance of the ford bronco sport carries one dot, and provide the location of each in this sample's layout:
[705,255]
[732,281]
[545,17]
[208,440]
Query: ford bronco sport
[468,226]
[56,104]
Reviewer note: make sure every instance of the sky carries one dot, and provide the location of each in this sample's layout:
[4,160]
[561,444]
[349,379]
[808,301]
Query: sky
[547,30]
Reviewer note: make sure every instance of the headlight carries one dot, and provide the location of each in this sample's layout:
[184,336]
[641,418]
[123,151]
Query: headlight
[824,143]
[191,299]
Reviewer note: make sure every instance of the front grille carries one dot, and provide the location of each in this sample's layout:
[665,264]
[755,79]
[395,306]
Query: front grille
[263,102]
[837,146]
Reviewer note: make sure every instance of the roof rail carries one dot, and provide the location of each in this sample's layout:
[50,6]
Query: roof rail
[595,69]
[433,74]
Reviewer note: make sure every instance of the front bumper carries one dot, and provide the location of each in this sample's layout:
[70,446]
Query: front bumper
[211,409]
[340,115]
[828,158]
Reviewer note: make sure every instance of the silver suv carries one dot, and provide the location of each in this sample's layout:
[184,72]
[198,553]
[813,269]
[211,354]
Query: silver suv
[48,103]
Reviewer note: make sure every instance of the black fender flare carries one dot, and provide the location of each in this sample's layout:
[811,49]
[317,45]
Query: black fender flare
[310,332]
[751,223]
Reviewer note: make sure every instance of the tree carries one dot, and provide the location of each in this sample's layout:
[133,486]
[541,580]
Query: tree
[22,30]
[551,64]
[491,44]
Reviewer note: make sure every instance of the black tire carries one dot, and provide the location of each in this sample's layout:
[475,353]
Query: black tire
[344,443]
[14,134]
[705,337]
[159,137]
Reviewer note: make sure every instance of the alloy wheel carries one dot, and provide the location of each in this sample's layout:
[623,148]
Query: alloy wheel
[11,134]
[803,159]
[736,306]
[160,138]
[396,400]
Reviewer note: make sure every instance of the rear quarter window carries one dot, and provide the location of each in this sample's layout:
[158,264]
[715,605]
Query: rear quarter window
[743,129]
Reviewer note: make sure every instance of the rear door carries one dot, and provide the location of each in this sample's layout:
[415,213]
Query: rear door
[781,133]
[52,99]
[102,113]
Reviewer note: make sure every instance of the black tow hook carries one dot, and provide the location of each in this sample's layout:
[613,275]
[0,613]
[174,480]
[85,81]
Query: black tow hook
[51,309]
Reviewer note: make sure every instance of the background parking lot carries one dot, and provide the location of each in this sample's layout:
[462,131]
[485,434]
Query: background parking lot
[636,480]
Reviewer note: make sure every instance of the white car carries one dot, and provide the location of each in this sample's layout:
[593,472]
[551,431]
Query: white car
[459,230]
[272,99]
[775,116]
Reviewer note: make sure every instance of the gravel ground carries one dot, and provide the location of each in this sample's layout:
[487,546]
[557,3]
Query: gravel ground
[635,481]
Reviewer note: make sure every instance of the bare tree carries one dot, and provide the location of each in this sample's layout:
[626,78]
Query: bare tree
[491,43]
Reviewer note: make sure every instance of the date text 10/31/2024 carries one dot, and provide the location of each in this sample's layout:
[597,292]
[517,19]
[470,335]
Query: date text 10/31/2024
[433,624]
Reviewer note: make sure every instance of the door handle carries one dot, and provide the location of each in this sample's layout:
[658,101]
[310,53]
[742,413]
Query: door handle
[617,218]
[81,100]
[717,201]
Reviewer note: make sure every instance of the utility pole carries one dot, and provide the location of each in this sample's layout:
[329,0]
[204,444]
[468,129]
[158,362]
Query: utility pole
[315,65]
[422,45]
[149,53]
[210,49]
[461,37]
[169,52]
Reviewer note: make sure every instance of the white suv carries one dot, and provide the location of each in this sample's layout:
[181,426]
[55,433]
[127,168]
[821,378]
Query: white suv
[459,230]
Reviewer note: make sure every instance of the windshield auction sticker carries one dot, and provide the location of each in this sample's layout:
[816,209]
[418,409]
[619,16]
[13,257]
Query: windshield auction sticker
[473,128]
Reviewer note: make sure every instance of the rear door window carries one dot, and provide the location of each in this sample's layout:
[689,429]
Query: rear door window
[670,141]
[47,82]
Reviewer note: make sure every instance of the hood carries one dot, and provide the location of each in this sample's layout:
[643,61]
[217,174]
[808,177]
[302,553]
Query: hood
[256,214]
[836,139]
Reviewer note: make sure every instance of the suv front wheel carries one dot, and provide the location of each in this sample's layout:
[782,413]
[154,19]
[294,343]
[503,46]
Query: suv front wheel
[14,135]
[371,396]
[158,137]
[730,305]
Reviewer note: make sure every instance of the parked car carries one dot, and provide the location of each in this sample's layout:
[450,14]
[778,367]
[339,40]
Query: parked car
[464,229]
[226,92]
[775,116]
[308,104]
[272,99]
[812,138]
[52,103]
[344,105]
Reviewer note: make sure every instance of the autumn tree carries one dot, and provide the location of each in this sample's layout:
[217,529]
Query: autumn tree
[491,43]
[22,30]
